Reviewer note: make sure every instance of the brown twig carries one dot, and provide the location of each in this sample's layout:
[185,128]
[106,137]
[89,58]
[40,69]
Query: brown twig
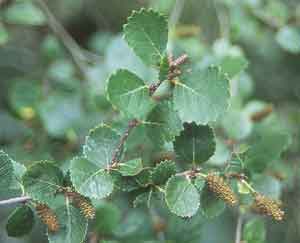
[131,125]
[174,71]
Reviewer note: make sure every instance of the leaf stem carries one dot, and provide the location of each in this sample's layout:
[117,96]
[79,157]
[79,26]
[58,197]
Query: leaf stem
[15,200]
[251,189]
[238,231]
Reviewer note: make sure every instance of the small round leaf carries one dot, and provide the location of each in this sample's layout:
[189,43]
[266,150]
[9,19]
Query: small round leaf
[182,197]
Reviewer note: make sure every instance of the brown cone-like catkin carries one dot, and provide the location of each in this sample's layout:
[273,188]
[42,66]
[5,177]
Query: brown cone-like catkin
[48,217]
[85,206]
[266,206]
[217,185]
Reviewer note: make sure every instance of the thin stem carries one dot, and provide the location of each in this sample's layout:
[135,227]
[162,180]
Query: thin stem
[238,231]
[251,189]
[131,125]
[223,20]
[15,200]
[174,18]
[74,49]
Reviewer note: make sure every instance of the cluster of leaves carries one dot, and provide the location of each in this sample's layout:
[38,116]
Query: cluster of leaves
[174,125]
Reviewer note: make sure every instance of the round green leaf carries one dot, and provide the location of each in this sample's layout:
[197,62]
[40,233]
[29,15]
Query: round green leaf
[211,206]
[255,231]
[100,146]
[20,222]
[288,38]
[42,180]
[89,179]
[199,183]
[6,170]
[129,94]
[163,123]
[182,197]
[202,96]
[73,226]
[163,171]
[146,32]
[233,65]
[265,147]
[131,167]
[108,217]
[195,144]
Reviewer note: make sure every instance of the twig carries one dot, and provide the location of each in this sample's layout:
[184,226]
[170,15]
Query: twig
[238,231]
[74,49]
[174,18]
[174,71]
[176,13]
[223,20]
[15,200]
[131,125]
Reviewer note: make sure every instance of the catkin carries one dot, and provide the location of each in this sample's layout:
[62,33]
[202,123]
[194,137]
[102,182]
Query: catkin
[48,217]
[267,206]
[217,185]
[85,206]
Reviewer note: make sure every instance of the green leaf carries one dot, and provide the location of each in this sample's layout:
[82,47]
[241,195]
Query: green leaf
[266,147]
[163,123]
[129,94]
[182,197]
[118,48]
[163,171]
[236,124]
[202,96]
[131,167]
[100,145]
[20,222]
[288,38]
[72,225]
[19,170]
[6,170]
[89,179]
[211,206]
[267,185]
[143,199]
[42,180]
[254,231]
[196,143]
[24,13]
[199,183]
[146,32]
[143,179]
[108,217]
[233,65]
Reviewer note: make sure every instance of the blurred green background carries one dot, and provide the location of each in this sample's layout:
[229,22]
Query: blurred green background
[55,57]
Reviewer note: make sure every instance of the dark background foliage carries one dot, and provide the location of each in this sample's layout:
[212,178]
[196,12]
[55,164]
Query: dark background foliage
[52,92]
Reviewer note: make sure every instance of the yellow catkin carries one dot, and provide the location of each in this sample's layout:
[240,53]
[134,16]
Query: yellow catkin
[85,206]
[217,185]
[48,217]
[267,206]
